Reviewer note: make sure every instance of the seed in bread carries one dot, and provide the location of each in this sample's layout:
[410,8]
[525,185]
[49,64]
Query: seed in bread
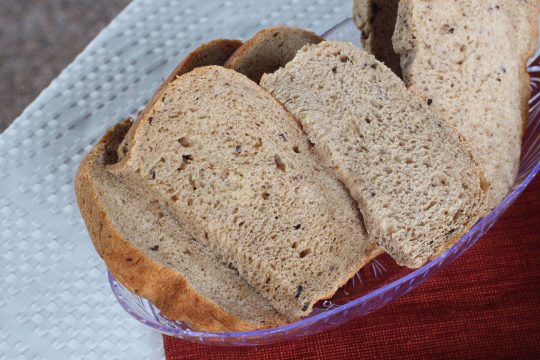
[414,178]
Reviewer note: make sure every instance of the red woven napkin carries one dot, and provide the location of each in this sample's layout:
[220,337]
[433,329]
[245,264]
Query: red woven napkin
[485,305]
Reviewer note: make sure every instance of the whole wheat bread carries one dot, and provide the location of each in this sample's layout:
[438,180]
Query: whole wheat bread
[269,49]
[414,178]
[238,174]
[467,59]
[150,253]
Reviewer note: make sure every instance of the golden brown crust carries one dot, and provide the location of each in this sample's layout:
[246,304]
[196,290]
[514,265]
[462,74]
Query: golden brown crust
[252,50]
[164,287]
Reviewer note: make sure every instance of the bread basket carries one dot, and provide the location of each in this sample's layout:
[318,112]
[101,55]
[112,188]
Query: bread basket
[378,283]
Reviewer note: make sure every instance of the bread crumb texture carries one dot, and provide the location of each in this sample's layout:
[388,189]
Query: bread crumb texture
[414,178]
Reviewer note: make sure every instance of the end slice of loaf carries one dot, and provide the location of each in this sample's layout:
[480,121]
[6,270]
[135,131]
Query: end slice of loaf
[414,177]
[269,49]
[150,253]
[377,19]
[469,62]
[239,175]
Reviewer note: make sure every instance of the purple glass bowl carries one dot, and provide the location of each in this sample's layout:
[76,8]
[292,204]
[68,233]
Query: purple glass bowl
[375,285]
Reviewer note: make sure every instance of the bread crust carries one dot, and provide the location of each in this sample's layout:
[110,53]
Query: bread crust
[259,44]
[164,287]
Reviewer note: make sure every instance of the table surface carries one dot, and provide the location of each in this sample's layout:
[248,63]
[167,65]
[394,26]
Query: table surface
[55,300]
[38,38]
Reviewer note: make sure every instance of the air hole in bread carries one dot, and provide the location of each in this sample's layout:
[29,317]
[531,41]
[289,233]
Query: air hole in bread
[294,245]
[185,141]
[296,149]
[304,253]
[457,214]
[190,202]
[192,183]
[265,195]
[182,166]
[279,163]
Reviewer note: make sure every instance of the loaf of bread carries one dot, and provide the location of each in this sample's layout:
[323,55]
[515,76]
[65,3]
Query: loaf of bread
[233,206]
[146,249]
[238,174]
[467,59]
[149,252]
[414,178]
[269,49]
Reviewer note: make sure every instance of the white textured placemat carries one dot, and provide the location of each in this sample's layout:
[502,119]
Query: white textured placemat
[55,302]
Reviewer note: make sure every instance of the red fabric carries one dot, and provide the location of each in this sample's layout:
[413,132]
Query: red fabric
[484,305]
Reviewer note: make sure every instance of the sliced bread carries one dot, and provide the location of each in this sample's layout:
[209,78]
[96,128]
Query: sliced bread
[214,52]
[150,253]
[377,19]
[269,50]
[468,61]
[239,175]
[414,178]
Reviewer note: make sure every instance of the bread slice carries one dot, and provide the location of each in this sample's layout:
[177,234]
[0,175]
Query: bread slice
[154,256]
[214,52]
[414,178]
[238,174]
[149,252]
[269,50]
[468,61]
[377,19]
